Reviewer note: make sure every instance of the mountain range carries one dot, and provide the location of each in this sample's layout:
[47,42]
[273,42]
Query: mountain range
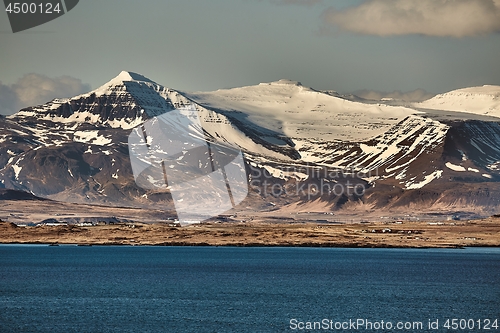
[305,149]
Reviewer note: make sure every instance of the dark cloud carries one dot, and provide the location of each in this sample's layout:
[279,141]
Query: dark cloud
[34,89]
[454,18]
[418,95]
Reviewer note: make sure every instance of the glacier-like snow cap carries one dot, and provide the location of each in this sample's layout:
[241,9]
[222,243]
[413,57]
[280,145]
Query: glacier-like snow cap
[126,76]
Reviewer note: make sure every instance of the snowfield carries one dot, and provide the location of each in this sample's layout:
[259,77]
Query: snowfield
[484,100]
[299,112]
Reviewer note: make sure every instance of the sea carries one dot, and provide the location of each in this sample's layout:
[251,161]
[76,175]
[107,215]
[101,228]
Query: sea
[247,289]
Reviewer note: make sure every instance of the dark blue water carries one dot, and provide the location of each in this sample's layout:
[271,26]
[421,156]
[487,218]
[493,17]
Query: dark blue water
[202,289]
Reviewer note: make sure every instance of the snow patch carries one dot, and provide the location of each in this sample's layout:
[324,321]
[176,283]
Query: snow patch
[91,137]
[494,166]
[454,167]
[17,170]
[427,179]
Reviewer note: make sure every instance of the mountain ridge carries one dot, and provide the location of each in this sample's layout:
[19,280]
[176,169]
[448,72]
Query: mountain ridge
[76,149]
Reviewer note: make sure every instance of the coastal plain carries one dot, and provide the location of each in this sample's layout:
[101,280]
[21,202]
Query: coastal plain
[127,226]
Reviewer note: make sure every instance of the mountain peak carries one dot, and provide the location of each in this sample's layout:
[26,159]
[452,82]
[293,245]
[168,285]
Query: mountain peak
[126,76]
[285,82]
[120,79]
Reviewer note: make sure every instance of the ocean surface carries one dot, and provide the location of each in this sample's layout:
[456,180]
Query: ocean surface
[221,289]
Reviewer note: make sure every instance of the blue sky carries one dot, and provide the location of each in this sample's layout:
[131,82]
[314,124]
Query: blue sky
[190,45]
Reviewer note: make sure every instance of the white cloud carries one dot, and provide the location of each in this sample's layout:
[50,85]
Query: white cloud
[34,89]
[417,95]
[455,18]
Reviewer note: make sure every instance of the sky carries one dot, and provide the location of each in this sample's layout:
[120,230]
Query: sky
[365,46]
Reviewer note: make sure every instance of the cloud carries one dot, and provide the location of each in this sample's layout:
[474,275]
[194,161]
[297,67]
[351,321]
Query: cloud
[8,100]
[417,95]
[35,89]
[453,18]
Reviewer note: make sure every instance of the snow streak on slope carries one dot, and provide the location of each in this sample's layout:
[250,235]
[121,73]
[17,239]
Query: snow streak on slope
[427,179]
[478,142]
[392,153]
[296,112]
[483,100]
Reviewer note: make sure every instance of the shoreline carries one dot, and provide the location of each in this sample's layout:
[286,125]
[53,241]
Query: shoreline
[254,245]
[425,235]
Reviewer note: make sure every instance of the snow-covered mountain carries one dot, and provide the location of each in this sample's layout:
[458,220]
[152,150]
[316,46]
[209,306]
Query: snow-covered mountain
[484,100]
[124,102]
[329,131]
[296,111]
[76,149]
